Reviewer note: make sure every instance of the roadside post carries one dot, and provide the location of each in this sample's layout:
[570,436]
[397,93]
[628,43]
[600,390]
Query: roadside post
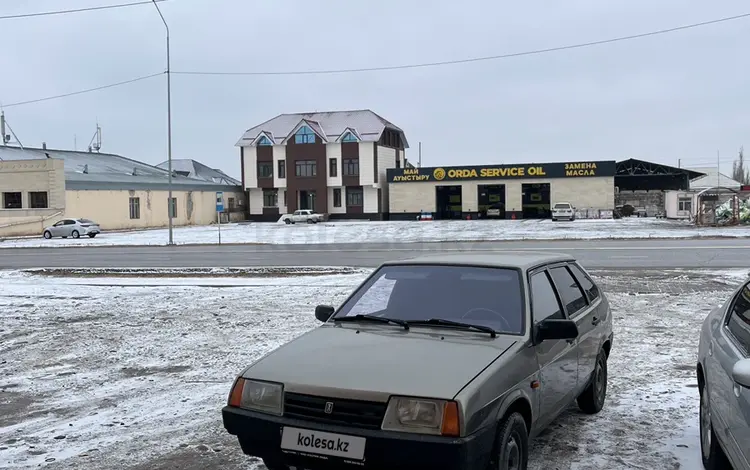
[219,210]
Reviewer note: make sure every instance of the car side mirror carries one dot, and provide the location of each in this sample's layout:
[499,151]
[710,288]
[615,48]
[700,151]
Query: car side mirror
[324,312]
[556,329]
[741,373]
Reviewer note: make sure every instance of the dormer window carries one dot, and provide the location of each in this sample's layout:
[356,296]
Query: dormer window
[264,141]
[304,135]
[349,137]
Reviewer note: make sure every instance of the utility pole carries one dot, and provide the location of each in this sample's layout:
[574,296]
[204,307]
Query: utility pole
[718,170]
[419,161]
[2,128]
[169,129]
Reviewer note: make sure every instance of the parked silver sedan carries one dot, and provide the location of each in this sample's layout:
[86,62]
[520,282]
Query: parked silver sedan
[724,384]
[72,228]
[445,362]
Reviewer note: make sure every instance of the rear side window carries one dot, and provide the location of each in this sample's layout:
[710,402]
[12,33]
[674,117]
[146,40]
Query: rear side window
[739,320]
[572,295]
[588,285]
[544,303]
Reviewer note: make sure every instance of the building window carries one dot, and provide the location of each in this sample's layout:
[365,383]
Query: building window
[264,140]
[351,167]
[285,198]
[349,137]
[336,197]
[231,204]
[38,200]
[135,207]
[270,198]
[305,168]
[685,204]
[333,169]
[265,170]
[304,136]
[354,197]
[12,201]
[282,168]
[173,208]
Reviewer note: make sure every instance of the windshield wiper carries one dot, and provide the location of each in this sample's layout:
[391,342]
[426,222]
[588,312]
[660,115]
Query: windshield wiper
[441,322]
[374,318]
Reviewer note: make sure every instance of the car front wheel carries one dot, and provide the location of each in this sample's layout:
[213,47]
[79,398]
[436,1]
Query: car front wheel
[711,451]
[75,234]
[512,448]
[591,401]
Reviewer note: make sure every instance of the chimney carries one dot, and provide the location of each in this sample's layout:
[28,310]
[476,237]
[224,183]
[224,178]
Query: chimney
[44,145]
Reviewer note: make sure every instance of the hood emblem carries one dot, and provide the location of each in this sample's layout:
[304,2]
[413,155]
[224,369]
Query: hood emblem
[329,407]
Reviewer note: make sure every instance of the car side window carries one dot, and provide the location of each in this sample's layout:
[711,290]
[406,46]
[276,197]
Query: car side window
[571,293]
[588,285]
[544,302]
[739,319]
[70,222]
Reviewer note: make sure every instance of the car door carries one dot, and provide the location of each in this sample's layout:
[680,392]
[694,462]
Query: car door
[729,402]
[590,338]
[558,359]
[57,228]
[68,227]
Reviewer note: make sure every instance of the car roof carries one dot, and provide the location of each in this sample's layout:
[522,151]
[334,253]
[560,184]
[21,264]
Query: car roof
[524,260]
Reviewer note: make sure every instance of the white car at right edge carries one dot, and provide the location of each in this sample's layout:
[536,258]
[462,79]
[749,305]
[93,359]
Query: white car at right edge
[563,210]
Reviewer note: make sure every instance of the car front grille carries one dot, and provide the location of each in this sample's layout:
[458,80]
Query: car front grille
[355,413]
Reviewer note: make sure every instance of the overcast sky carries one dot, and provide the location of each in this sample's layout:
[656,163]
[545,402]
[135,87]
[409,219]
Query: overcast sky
[683,95]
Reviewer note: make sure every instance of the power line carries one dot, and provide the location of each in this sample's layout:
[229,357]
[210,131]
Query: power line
[88,90]
[395,67]
[77,10]
[480,59]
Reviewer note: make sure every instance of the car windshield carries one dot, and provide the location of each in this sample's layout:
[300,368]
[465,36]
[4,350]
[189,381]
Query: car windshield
[477,295]
[562,206]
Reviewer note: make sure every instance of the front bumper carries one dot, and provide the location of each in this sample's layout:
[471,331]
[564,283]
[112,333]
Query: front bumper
[260,436]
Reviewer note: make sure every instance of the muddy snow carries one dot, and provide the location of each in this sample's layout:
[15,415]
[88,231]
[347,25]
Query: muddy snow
[121,372]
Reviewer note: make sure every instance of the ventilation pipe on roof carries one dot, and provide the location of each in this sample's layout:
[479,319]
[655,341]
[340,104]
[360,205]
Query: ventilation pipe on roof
[135,171]
[44,145]
[86,169]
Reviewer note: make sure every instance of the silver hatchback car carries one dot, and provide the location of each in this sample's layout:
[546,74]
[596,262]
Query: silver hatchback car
[724,384]
[445,362]
[72,228]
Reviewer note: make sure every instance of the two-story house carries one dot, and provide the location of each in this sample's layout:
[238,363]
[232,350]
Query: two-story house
[331,162]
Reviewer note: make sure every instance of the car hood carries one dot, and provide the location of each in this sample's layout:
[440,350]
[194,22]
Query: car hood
[381,360]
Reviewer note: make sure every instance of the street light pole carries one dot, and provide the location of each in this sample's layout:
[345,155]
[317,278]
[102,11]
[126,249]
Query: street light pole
[169,128]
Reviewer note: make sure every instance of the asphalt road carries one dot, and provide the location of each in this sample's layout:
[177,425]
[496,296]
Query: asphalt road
[655,254]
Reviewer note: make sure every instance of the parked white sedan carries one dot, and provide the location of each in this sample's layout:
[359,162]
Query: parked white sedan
[72,228]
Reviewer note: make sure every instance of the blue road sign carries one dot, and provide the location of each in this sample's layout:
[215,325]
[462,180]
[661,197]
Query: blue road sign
[219,201]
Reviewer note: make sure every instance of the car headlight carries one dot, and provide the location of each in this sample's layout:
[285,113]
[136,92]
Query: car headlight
[257,396]
[422,416]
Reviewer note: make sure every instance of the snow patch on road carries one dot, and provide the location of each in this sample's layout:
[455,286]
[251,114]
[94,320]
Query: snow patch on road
[400,232]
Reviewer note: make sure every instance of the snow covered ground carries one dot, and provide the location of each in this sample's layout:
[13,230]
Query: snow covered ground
[399,232]
[131,372]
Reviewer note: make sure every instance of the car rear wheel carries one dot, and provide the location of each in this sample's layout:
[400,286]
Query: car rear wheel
[47,234]
[287,221]
[713,455]
[512,447]
[591,401]
[75,234]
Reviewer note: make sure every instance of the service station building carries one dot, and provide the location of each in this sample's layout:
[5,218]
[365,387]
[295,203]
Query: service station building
[521,191]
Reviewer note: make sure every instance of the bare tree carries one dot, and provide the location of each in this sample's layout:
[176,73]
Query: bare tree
[739,172]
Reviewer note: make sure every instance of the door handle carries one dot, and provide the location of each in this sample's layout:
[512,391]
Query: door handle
[595,321]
